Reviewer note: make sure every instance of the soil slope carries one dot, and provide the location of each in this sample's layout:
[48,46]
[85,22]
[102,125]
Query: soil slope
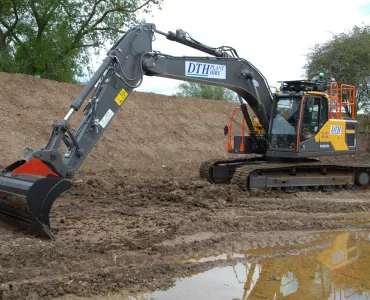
[137,203]
[149,131]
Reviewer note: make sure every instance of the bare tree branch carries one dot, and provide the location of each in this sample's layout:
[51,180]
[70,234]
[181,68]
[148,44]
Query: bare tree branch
[121,10]
[140,7]
[85,28]
[85,46]
[80,33]
[109,28]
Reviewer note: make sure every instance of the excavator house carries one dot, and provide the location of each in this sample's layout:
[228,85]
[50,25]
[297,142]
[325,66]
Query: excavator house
[286,130]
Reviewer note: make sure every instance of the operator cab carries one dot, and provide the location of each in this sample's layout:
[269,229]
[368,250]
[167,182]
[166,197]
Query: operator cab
[308,121]
[288,121]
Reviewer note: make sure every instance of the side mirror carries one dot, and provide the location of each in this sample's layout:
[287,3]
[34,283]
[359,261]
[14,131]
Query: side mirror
[226,130]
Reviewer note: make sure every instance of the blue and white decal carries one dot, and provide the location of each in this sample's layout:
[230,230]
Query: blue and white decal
[204,70]
[336,129]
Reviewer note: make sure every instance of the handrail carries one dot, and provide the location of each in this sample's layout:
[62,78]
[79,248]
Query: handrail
[337,100]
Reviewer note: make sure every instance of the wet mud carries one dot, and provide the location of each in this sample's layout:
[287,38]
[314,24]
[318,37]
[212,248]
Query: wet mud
[129,238]
[334,266]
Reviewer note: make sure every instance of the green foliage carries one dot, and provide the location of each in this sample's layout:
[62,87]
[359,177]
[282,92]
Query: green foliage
[346,58]
[204,91]
[53,38]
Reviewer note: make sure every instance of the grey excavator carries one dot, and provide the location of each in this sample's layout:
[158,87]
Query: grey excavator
[286,130]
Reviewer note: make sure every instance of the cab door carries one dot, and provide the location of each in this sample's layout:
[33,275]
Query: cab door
[314,117]
[323,133]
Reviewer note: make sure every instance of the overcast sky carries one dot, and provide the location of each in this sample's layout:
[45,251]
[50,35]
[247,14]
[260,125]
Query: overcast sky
[274,35]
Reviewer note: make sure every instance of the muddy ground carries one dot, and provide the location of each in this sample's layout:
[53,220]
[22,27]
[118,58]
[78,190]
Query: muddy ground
[128,217]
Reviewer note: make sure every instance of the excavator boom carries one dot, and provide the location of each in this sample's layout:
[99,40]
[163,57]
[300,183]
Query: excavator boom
[29,186]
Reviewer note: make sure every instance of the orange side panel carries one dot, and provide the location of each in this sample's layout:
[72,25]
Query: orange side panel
[34,167]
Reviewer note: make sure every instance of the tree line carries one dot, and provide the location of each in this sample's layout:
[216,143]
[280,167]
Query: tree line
[54,39]
[346,58]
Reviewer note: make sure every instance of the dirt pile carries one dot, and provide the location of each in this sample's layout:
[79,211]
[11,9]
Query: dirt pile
[149,132]
[137,203]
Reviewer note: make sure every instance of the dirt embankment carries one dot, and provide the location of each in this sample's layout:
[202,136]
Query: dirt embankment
[128,217]
[150,131]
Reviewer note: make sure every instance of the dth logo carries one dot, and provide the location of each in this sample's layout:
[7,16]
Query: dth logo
[196,69]
[335,129]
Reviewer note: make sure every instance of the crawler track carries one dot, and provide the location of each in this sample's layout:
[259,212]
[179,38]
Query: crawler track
[311,174]
[222,170]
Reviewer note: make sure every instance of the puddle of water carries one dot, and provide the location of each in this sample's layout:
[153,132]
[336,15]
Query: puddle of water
[218,283]
[338,268]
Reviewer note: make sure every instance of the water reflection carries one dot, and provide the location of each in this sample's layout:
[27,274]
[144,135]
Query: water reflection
[339,270]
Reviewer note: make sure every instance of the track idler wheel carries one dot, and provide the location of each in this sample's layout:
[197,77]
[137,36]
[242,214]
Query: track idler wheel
[206,171]
[362,179]
[26,201]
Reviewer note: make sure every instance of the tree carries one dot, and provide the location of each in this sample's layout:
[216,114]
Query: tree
[204,91]
[54,38]
[345,57]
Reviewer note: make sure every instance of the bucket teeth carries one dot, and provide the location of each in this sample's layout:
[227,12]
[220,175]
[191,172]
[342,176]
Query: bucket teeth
[26,201]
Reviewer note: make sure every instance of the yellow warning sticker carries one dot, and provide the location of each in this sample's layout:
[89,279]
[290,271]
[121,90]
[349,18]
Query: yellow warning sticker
[121,97]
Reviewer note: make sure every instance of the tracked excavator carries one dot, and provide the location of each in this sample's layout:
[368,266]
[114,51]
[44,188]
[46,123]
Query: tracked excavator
[286,130]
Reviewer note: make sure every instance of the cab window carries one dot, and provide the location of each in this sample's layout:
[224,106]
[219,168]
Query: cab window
[314,117]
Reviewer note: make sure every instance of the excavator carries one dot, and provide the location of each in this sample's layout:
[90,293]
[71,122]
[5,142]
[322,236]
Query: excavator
[287,129]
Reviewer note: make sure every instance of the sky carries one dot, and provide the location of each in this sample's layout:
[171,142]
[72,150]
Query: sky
[274,35]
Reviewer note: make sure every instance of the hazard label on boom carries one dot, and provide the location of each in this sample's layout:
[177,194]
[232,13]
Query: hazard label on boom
[121,97]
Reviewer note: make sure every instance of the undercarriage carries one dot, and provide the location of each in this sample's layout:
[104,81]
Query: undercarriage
[308,174]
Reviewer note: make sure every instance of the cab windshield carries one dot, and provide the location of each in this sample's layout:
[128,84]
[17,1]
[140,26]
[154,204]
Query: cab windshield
[285,121]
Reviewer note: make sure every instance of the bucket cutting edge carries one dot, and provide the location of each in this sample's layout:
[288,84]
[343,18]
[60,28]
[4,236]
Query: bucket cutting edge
[26,201]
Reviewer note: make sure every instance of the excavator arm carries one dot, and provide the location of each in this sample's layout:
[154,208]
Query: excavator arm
[123,70]
[39,177]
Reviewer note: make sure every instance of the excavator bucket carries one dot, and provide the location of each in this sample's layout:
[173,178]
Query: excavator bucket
[27,193]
